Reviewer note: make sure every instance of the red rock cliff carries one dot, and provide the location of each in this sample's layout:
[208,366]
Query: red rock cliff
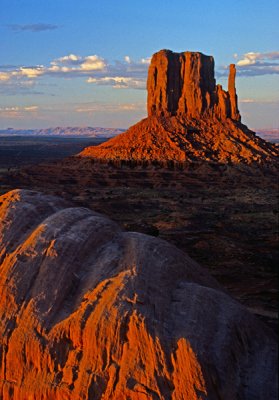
[184,84]
[190,118]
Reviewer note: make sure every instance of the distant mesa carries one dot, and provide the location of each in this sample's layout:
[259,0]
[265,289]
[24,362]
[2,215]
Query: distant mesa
[272,135]
[189,118]
[91,312]
[68,131]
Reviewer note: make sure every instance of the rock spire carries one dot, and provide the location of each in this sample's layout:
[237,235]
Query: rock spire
[232,92]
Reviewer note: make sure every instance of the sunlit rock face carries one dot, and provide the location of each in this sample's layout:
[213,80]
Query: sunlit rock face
[91,312]
[184,84]
[190,118]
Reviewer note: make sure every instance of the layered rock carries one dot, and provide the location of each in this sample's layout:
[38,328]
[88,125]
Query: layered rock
[90,312]
[189,118]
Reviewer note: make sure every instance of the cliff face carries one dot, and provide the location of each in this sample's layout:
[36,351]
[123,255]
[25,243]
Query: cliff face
[183,84]
[189,118]
[90,312]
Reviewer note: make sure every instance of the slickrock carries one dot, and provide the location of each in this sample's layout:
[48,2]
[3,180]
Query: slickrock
[88,311]
[189,118]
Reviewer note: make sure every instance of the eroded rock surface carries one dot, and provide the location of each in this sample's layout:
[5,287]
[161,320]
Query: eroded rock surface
[189,118]
[91,312]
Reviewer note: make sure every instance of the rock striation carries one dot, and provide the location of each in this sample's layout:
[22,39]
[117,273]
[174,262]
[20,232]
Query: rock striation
[189,118]
[88,311]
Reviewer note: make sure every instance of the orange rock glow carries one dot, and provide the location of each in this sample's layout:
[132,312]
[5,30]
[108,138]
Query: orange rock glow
[90,312]
[189,118]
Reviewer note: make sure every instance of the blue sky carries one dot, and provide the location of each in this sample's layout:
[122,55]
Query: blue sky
[85,62]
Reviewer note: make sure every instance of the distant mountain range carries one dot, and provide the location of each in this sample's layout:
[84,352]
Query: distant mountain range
[64,132]
[272,135]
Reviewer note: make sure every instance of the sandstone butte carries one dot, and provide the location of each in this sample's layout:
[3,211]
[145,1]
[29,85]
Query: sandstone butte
[189,118]
[88,311]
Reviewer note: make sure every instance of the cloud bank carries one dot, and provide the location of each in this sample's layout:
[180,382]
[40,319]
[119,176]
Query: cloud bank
[124,74]
[255,64]
[81,111]
[93,68]
[17,112]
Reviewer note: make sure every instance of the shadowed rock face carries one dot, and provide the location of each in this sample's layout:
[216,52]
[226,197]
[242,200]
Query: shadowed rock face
[90,312]
[189,118]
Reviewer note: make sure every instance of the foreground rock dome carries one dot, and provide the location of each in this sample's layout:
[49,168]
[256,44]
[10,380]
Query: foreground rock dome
[189,118]
[91,312]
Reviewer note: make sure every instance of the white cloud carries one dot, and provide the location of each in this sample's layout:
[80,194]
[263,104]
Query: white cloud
[251,58]
[258,101]
[119,74]
[31,108]
[128,60]
[95,69]
[17,108]
[76,64]
[54,68]
[248,59]
[119,82]
[70,57]
[61,66]
[4,76]
[31,72]
[17,111]
[93,63]
[256,63]
[146,60]
[110,107]
[247,101]
[22,72]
